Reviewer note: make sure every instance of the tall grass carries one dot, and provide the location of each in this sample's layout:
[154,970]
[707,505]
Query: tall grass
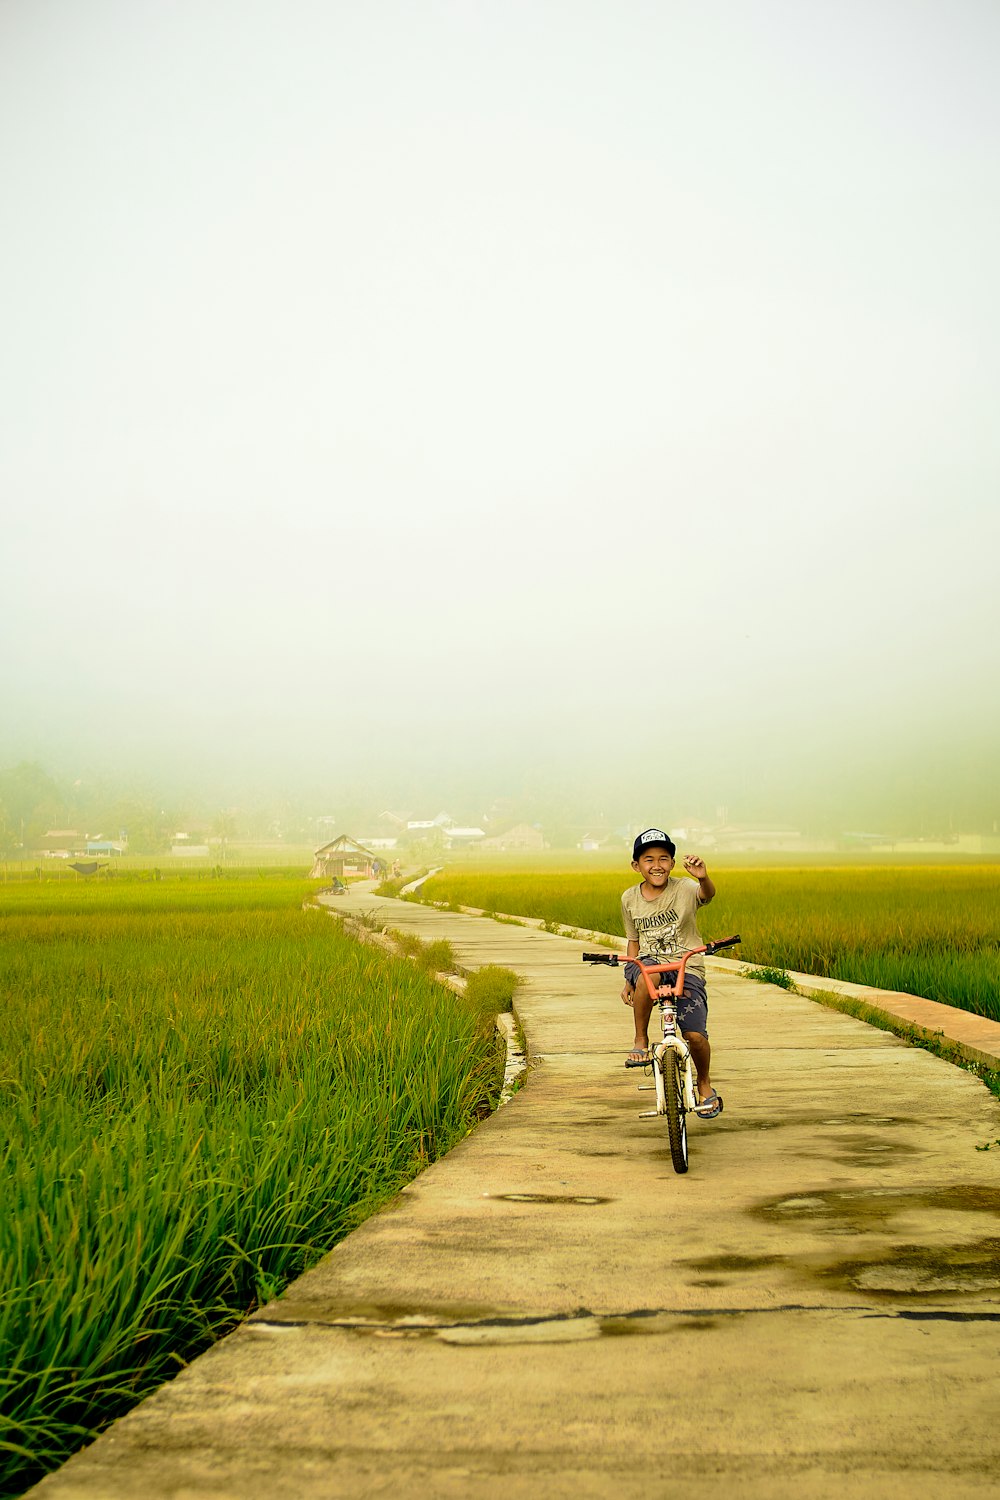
[197,1099]
[932,931]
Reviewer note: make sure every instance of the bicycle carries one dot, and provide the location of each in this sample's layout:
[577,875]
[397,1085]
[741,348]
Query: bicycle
[673,1069]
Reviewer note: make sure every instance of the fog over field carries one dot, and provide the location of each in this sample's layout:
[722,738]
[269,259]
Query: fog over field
[427,402]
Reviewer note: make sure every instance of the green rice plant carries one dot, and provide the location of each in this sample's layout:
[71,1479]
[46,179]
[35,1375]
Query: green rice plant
[923,929]
[766,975]
[438,957]
[435,957]
[197,1099]
[393,884]
[492,988]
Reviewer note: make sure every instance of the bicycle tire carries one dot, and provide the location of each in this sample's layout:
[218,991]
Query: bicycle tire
[676,1123]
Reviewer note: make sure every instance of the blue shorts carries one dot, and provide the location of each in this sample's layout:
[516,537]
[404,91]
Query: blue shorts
[692,1004]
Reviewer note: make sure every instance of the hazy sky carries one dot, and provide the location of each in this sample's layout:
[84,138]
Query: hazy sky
[477,392]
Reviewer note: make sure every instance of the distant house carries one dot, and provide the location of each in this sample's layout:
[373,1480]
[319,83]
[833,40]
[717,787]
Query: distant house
[693,831]
[737,838]
[521,836]
[390,819]
[341,857]
[104,846]
[461,838]
[422,825]
[61,843]
[183,846]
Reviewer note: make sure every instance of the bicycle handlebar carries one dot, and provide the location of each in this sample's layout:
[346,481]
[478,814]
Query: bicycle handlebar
[613,959]
[722,943]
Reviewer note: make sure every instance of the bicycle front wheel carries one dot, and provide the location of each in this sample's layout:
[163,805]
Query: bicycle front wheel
[676,1122]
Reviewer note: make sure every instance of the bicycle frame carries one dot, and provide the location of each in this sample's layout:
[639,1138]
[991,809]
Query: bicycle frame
[664,994]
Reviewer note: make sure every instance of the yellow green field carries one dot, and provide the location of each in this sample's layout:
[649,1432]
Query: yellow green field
[923,928]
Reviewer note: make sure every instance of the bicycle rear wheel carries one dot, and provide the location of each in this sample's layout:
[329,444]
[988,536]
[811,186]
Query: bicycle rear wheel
[676,1122]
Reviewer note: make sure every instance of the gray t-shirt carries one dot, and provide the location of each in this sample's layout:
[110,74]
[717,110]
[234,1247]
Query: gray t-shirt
[667,927]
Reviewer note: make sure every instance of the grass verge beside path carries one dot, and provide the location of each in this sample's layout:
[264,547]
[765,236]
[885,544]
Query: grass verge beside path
[197,1099]
[924,930]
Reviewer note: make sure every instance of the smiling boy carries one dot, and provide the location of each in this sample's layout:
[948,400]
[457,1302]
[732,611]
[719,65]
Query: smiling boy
[660,919]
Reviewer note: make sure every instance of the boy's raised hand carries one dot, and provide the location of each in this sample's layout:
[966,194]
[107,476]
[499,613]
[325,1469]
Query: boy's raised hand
[695,865]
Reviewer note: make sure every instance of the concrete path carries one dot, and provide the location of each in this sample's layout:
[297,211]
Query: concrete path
[814,1310]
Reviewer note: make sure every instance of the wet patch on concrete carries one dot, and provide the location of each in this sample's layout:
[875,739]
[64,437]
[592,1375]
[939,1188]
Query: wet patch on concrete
[346,1313]
[879,1120]
[866,1208]
[953,1268]
[866,1150]
[734,1263]
[923,1271]
[586,1199]
[585,1124]
[789,1116]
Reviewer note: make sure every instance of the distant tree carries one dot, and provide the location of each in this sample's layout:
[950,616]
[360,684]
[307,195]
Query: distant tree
[224,829]
[424,844]
[147,827]
[30,802]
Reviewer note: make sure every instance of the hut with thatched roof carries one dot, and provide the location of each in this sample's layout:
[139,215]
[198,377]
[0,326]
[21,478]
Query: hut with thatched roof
[343,856]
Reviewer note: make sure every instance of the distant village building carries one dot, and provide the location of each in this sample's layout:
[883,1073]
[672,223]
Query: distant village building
[343,856]
[461,838]
[421,825]
[61,843]
[692,831]
[960,843]
[184,847]
[521,836]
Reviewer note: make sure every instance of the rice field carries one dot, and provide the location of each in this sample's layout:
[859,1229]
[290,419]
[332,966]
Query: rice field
[931,930]
[202,1087]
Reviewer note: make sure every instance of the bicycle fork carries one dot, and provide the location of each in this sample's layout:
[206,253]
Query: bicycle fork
[674,1043]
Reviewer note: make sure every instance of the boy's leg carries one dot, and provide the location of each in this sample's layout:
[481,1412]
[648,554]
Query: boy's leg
[701,1056]
[636,994]
[692,1016]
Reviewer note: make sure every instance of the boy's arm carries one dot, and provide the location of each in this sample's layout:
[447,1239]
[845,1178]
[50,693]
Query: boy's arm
[629,928]
[628,990]
[695,865]
[631,948]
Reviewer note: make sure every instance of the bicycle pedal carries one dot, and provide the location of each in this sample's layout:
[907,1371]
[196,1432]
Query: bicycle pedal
[645,1088]
[648,1114]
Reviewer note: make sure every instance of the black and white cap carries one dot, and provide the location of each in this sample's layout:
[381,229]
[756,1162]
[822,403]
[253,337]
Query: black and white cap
[653,838]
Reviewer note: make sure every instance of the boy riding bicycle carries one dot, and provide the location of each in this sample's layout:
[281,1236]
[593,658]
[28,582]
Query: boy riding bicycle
[660,919]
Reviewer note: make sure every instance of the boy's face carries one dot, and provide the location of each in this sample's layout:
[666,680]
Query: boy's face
[654,865]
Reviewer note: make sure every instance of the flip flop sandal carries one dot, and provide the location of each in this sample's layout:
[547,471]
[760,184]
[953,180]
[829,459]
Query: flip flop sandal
[707,1109]
[637,1058]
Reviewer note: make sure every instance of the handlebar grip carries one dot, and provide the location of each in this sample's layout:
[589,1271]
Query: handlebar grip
[723,943]
[601,958]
